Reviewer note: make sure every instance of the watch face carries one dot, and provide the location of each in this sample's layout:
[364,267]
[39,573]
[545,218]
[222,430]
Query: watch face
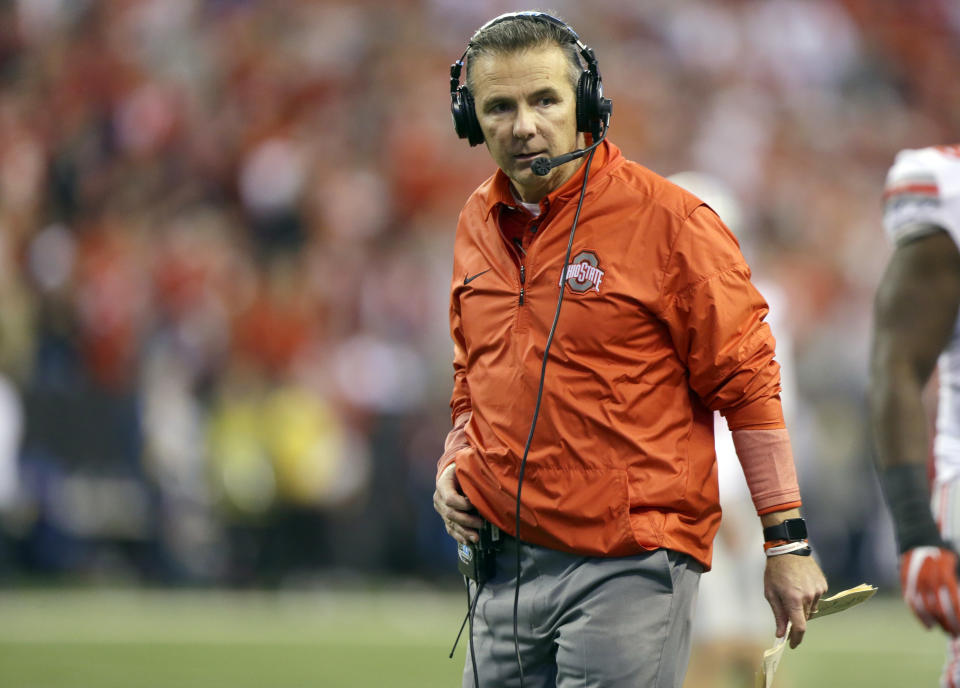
[791,529]
[796,529]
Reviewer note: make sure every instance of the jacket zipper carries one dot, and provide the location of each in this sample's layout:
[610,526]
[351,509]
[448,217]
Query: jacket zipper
[523,279]
[521,254]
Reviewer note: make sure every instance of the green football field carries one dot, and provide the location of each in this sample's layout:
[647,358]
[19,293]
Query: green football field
[377,636]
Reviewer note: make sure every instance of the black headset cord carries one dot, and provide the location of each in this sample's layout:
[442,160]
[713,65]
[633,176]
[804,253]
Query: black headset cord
[536,414]
[471,608]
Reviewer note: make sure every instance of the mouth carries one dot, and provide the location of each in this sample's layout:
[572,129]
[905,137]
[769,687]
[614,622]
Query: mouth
[527,158]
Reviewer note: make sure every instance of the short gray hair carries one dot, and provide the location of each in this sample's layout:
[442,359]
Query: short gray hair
[523,32]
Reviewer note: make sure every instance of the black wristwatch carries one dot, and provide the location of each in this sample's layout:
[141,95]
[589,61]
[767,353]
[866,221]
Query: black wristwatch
[791,529]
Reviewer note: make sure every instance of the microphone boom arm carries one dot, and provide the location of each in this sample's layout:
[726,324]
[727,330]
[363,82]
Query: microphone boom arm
[542,166]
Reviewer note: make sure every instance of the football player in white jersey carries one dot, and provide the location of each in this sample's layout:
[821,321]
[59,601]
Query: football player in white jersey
[916,330]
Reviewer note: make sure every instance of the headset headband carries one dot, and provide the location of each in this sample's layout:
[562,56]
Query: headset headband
[592,109]
[585,52]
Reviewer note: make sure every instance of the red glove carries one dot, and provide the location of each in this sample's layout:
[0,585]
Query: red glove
[928,576]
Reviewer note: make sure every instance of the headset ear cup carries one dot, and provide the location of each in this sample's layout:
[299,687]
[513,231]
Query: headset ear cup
[456,111]
[588,104]
[465,117]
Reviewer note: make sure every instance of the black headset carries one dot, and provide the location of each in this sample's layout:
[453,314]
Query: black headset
[593,110]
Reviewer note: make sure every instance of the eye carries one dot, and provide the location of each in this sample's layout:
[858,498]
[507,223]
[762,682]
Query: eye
[546,101]
[498,107]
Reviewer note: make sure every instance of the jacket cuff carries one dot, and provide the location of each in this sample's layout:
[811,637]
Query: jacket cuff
[761,414]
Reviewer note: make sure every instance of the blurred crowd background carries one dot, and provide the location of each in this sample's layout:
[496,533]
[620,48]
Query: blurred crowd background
[225,242]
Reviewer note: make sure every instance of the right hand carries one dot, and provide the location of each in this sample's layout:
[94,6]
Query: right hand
[793,585]
[456,510]
[928,576]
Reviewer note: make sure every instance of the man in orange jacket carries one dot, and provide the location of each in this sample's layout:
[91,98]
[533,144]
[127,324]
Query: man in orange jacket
[599,314]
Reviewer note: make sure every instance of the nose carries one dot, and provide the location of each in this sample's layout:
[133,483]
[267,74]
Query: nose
[525,125]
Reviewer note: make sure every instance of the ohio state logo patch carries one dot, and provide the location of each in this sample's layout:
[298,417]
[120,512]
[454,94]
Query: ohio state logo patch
[584,273]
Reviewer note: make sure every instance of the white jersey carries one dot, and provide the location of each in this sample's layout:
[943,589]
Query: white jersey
[923,189]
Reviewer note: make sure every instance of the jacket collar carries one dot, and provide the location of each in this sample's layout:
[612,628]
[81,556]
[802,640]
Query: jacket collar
[496,190]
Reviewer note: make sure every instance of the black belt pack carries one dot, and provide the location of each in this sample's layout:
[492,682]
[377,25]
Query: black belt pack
[477,560]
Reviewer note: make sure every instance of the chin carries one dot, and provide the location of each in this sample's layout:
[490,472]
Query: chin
[526,179]
[521,176]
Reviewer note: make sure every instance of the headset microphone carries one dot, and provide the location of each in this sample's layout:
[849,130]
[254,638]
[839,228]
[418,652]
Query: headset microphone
[542,166]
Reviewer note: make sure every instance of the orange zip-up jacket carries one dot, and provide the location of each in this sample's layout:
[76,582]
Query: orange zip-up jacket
[659,326]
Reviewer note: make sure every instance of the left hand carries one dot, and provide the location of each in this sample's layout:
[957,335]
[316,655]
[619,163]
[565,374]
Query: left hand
[793,586]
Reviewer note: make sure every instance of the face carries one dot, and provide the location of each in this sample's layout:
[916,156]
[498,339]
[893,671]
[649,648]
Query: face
[526,107]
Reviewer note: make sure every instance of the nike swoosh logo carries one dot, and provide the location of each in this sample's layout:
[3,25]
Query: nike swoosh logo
[468,280]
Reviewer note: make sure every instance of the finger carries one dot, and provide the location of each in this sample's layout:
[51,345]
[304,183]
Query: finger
[815,605]
[458,502]
[810,605]
[448,492]
[464,524]
[779,615]
[448,475]
[798,623]
[467,534]
[465,519]
[817,596]
[460,534]
[446,499]
[447,482]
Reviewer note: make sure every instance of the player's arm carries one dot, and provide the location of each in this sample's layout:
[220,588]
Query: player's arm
[914,315]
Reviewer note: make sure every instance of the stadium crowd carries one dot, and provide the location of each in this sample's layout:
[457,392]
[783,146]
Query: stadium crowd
[225,239]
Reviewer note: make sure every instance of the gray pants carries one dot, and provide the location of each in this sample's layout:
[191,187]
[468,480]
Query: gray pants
[585,622]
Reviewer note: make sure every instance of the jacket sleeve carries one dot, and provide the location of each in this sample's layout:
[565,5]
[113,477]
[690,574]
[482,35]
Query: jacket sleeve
[460,398]
[716,321]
